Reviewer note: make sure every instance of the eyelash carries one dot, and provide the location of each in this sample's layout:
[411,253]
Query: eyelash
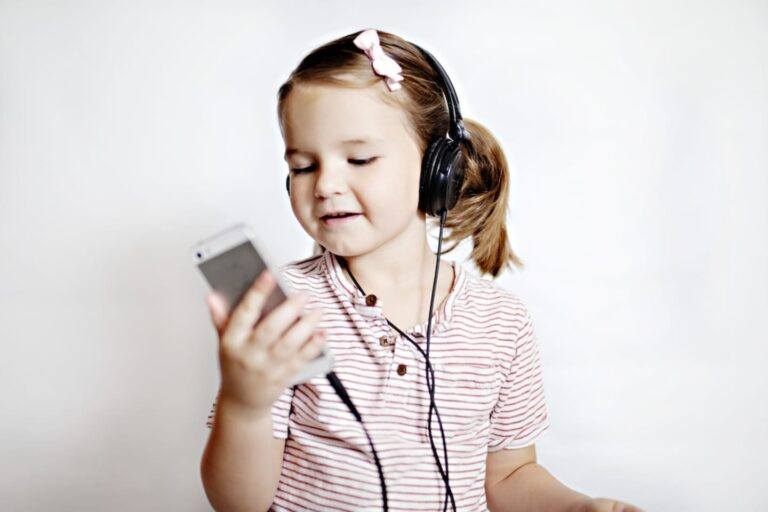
[304,170]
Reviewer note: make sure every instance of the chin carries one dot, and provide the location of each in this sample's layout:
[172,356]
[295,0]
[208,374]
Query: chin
[340,248]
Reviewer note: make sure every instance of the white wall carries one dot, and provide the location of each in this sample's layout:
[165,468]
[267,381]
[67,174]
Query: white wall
[637,133]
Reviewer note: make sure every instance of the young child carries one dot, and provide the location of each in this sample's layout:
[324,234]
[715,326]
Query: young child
[356,125]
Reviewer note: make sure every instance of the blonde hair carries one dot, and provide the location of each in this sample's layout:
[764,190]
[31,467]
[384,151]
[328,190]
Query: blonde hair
[480,212]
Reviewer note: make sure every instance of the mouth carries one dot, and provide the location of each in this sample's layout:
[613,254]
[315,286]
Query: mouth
[339,219]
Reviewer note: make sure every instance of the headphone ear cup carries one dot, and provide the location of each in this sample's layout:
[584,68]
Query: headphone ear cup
[453,162]
[442,176]
[428,190]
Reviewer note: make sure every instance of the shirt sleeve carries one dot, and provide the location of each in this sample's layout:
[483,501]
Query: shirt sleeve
[520,414]
[280,411]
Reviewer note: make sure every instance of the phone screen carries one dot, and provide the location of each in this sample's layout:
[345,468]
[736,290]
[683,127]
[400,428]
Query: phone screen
[232,273]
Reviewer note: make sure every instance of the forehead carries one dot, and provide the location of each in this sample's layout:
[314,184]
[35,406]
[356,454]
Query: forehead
[322,116]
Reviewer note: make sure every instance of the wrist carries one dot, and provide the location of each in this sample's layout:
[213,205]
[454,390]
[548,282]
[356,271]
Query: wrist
[231,408]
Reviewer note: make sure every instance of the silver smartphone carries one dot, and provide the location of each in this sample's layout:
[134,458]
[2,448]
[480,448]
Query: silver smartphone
[230,261]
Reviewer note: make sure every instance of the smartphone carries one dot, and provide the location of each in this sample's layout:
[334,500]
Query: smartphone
[230,261]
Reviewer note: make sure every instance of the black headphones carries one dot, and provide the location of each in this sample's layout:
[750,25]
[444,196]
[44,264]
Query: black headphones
[442,175]
[443,163]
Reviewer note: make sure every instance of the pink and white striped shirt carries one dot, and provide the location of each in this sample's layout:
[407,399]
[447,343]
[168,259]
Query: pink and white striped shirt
[488,389]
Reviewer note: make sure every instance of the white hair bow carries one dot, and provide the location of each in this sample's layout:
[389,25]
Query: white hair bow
[383,64]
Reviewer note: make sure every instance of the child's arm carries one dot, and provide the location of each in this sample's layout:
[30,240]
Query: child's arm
[241,464]
[514,481]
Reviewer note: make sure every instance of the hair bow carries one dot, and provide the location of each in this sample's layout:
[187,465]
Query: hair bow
[383,64]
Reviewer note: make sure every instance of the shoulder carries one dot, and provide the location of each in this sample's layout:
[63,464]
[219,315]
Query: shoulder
[303,266]
[501,315]
[486,299]
[304,274]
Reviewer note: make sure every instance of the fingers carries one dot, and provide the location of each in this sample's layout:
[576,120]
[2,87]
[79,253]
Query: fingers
[248,309]
[217,309]
[271,327]
[308,351]
[295,336]
[311,348]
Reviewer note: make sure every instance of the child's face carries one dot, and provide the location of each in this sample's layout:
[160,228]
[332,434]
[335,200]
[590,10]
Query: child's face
[386,190]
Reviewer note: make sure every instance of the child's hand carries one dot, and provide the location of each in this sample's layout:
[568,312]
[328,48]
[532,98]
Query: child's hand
[258,361]
[605,505]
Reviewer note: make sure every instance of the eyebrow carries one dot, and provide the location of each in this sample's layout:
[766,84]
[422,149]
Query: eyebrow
[291,151]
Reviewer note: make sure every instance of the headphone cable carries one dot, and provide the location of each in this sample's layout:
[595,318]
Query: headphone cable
[430,372]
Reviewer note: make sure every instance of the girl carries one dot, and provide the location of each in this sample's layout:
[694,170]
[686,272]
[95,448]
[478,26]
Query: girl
[356,121]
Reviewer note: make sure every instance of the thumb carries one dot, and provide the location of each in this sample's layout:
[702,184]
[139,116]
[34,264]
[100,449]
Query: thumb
[217,310]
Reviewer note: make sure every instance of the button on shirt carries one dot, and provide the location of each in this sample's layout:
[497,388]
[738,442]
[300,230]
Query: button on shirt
[488,390]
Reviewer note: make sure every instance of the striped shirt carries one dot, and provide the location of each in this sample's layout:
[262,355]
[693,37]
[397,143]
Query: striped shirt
[488,389]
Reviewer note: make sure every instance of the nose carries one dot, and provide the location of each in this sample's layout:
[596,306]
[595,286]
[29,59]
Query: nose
[329,181]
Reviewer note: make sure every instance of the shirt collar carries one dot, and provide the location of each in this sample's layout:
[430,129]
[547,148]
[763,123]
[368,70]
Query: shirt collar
[346,290]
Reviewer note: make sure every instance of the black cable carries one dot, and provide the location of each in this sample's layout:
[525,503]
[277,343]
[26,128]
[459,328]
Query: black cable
[430,372]
[333,379]
[432,405]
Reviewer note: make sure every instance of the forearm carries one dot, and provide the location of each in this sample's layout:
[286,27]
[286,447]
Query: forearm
[532,488]
[237,467]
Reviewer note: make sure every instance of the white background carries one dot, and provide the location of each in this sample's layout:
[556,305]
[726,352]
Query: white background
[637,138]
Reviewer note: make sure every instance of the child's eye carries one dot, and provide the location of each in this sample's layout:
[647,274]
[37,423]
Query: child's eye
[303,170]
[363,162]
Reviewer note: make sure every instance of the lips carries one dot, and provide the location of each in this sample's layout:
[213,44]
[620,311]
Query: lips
[339,215]
[332,222]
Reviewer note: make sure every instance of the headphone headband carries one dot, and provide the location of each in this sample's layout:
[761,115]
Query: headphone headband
[456,129]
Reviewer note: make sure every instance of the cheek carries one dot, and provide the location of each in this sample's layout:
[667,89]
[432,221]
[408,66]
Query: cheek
[395,189]
[302,209]
[394,205]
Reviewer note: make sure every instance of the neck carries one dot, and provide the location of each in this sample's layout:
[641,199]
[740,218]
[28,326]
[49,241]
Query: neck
[405,263]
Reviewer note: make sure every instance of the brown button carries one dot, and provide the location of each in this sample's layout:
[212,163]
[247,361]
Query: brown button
[384,341]
[401,369]
[370,300]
